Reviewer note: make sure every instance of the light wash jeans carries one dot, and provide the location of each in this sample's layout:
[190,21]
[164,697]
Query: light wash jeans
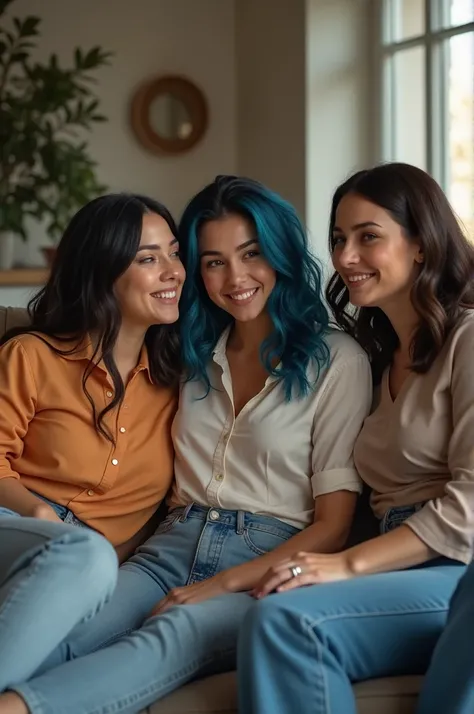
[134,667]
[301,651]
[52,576]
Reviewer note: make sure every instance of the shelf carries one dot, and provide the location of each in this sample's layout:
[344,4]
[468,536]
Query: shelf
[23,276]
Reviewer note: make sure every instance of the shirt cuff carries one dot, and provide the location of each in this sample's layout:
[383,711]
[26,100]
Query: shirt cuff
[336,480]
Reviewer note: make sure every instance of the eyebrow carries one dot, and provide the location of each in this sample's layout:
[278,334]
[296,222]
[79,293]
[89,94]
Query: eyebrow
[155,246]
[357,226]
[242,246]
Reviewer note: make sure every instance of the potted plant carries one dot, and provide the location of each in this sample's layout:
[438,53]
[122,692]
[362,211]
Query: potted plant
[46,170]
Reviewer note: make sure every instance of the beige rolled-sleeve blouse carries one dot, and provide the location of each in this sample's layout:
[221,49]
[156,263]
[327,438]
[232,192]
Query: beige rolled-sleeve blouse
[275,457]
[419,447]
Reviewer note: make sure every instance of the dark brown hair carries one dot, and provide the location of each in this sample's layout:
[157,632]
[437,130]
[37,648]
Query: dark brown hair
[444,286]
[78,300]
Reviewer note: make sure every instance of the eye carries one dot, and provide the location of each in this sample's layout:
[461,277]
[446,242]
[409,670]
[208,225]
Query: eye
[214,263]
[252,254]
[147,259]
[369,237]
[337,240]
[176,254]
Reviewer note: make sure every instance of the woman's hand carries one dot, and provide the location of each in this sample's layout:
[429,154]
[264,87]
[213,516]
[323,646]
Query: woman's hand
[304,569]
[189,594]
[45,512]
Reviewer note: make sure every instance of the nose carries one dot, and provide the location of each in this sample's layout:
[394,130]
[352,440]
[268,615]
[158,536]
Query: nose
[348,255]
[172,270]
[236,273]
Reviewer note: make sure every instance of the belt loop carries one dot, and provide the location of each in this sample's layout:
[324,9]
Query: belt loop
[240,522]
[184,515]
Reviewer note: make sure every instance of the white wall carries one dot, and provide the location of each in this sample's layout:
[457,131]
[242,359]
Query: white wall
[190,37]
[340,105]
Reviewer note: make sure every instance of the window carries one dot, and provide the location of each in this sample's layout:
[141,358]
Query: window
[428,93]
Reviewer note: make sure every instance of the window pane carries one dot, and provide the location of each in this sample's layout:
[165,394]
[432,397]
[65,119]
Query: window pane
[405,19]
[460,139]
[408,112]
[452,13]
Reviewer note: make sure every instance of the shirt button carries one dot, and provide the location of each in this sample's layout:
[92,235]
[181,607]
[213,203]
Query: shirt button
[109,393]
[115,462]
[90,493]
[123,429]
[220,477]
[214,515]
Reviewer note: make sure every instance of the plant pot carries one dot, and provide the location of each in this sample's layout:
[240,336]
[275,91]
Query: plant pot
[7,250]
[49,253]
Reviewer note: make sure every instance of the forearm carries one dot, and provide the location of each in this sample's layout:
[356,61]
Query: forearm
[16,497]
[320,537]
[396,550]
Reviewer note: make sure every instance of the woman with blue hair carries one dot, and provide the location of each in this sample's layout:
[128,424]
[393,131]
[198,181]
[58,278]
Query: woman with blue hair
[271,405]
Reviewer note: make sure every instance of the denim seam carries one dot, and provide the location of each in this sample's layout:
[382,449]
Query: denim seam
[255,549]
[373,613]
[306,626]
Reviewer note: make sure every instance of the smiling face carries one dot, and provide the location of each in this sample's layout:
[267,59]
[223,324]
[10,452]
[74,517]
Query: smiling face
[148,292]
[372,254]
[237,277]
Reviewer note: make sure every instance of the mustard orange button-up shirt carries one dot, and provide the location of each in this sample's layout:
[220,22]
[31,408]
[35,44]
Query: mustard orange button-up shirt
[48,439]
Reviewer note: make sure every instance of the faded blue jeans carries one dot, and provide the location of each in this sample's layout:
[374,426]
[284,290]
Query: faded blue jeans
[301,651]
[52,576]
[133,667]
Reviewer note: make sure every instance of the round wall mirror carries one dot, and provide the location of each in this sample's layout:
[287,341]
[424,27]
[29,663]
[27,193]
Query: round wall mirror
[169,115]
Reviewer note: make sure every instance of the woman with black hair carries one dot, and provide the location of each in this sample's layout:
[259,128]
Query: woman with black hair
[88,392]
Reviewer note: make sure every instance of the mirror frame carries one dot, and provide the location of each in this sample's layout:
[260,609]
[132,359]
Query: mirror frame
[184,90]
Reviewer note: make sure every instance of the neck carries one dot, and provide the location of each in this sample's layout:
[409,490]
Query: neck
[128,346]
[248,336]
[405,321]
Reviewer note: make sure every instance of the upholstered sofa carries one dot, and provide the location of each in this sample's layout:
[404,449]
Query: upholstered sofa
[217,694]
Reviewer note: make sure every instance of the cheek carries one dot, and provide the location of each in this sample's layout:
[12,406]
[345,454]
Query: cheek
[212,281]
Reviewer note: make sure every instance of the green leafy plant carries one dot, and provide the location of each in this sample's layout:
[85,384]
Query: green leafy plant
[45,111]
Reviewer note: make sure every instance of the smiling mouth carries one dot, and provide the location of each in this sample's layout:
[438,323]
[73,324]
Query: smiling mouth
[167,296]
[243,296]
[359,279]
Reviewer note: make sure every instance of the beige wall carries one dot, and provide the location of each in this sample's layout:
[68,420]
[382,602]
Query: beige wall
[270,50]
[287,82]
[190,37]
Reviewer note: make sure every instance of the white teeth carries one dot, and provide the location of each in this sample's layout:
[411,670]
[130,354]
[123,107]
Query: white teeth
[358,278]
[169,294]
[244,296]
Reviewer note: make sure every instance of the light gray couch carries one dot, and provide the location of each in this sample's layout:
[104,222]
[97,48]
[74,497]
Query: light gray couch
[217,694]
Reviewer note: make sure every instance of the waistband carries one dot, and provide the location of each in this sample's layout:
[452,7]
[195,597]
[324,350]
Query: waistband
[240,520]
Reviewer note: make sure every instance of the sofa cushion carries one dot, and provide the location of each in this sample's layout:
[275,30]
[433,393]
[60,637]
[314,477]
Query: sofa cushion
[218,695]
[12,317]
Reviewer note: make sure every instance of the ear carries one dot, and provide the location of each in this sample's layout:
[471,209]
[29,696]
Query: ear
[419,256]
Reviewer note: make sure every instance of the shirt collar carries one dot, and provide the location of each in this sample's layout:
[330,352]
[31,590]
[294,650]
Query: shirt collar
[219,352]
[84,350]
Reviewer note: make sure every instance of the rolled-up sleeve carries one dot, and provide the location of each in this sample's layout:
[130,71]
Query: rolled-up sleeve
[18,398]
[446,524]
[343,406]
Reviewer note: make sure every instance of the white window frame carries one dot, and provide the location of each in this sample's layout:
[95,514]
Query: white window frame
[436,87]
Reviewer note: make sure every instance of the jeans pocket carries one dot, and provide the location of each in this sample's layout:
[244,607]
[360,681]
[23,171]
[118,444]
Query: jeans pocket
[261,539]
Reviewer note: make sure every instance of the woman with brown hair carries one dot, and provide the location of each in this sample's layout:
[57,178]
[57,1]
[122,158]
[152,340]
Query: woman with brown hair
[403,287]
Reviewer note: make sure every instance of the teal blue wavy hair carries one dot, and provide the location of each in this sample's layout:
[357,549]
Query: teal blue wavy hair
[295,305]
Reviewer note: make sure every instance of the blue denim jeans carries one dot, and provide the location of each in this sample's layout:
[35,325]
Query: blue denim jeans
[43,568]
[128,668]
[325,637]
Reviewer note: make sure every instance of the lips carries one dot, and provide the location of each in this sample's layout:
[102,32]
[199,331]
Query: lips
[242,295]
[165,294]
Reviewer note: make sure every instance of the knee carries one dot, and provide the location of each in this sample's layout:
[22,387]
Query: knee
[264,617]
[96,562]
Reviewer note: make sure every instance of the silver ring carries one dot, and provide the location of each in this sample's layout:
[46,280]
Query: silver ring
[295,571]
